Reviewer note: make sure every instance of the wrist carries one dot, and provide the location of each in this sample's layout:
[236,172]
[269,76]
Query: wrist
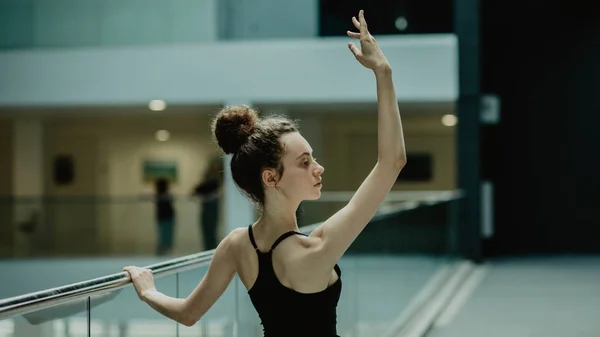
[147,295]
[383,70]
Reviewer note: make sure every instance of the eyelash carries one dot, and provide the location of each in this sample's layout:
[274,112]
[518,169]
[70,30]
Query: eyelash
[306,162]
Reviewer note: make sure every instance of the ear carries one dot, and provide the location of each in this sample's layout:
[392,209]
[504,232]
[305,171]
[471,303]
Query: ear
[269,177]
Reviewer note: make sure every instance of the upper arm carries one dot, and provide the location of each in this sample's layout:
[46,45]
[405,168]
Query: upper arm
[339,231]
[220,273]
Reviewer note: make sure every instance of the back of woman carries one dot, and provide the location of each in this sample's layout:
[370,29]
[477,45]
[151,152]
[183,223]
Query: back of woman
[293,280]
[284,289]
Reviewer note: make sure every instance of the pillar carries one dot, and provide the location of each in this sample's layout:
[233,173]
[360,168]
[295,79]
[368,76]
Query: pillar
[28,183]
[467,27]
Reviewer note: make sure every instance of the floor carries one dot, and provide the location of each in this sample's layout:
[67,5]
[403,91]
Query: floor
[531,297]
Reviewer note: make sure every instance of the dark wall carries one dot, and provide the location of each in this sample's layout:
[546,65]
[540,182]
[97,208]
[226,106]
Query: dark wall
[423,16]
[543,58]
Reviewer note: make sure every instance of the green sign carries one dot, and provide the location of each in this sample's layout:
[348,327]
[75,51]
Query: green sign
[155,169]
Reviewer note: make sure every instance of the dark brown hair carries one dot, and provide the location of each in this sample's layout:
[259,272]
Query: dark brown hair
[254,143]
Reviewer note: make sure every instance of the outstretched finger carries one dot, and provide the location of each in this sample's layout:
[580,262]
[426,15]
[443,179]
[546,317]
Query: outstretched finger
[353,34]
[363,23]
[355,22]
[354,49]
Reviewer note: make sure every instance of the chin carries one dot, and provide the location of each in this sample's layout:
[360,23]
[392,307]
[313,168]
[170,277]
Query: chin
[315,196]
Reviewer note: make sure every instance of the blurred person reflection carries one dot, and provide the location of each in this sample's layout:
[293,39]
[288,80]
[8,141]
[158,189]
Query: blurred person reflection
[209,191]
[165,217]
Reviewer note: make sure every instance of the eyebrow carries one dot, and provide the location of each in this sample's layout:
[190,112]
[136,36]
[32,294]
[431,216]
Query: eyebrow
[303,154]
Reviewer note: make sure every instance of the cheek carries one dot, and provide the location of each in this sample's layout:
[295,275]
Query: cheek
[292,179]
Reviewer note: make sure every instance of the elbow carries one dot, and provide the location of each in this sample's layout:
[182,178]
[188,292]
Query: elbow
[189,318]
[189,321]
[400,163]
[397,163]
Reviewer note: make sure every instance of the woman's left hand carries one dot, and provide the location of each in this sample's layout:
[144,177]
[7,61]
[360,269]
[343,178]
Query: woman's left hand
[143,280]
[369,54]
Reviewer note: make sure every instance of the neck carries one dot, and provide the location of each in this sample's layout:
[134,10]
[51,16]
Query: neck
[279,216]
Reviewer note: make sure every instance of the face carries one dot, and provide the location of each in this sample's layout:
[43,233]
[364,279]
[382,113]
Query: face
[301,173]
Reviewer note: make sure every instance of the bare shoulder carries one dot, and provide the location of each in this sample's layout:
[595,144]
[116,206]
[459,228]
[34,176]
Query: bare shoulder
[310,251]
[311,243]
[233,246]
[299,265]
[236,237]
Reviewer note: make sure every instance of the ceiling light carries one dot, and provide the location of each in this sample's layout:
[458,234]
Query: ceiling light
[157,105]
[162,135]
[401,23]
[449,120]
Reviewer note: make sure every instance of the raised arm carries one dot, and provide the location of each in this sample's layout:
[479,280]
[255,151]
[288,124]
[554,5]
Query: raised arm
[338,232]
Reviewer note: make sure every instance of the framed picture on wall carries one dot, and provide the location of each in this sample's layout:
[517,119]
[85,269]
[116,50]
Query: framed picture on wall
[153,169]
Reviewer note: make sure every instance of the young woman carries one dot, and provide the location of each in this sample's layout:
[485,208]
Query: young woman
[289,275]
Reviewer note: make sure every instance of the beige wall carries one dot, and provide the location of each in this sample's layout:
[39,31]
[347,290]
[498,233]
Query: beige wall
[349,151]
[352,151]
[109,151]
[108,154]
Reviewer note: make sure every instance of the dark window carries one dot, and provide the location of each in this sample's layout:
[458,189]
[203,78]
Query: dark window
[418,169]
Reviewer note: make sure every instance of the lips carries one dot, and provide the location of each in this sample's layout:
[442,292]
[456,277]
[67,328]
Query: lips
[318,184]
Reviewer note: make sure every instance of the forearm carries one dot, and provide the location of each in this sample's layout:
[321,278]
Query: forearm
[390,134]
[173,308]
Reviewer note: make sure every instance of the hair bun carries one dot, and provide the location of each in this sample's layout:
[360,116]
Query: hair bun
[233,126]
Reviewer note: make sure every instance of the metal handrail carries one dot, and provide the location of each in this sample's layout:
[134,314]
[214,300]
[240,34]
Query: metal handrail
[23,304]
[35,301]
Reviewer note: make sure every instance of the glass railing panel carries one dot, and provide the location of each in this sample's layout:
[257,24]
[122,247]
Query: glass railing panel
[399,258]
[248,322]
[65,320]
[348,310]
[122,313]
[407,244]
[220,320]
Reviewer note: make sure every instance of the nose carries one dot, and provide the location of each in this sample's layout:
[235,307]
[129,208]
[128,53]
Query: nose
[319,170]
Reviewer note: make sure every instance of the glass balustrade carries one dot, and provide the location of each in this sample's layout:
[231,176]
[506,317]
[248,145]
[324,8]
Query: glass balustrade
[403,252]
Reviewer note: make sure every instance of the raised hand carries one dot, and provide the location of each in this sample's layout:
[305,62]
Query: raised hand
[143,280]
[369,54]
